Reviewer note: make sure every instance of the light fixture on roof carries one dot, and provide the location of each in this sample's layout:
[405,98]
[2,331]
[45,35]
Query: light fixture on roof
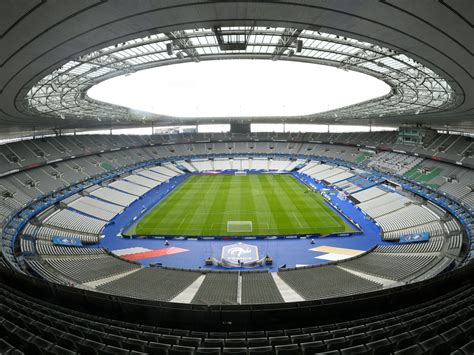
[299,46]
[169,48]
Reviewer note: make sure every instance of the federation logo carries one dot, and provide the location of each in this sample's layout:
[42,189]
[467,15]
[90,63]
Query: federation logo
[243,253]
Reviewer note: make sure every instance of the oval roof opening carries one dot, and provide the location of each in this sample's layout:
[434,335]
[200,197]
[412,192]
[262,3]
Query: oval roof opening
[239,88]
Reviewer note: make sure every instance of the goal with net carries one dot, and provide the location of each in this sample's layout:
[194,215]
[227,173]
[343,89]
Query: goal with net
[240,173]
[239,226]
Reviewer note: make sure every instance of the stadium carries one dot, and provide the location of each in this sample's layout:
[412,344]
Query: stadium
[236,177]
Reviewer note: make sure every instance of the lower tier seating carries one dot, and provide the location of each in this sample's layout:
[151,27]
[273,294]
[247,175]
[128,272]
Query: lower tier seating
[441,325]
[151,283]
[390,266]
[325,282]
[89,267]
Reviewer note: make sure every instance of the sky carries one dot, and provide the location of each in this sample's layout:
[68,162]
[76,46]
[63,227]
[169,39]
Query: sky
[245,87]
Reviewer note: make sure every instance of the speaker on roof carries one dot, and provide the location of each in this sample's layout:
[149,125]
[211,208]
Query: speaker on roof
[299,46]
[169,48]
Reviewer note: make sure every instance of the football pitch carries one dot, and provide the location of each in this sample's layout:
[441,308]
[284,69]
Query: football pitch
[265,203]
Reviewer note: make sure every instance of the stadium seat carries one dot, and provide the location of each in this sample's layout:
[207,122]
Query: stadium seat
[289,349]
[313,347]
[435,345]
[451,336]
[235,342]
[218,335]
[381,346]
[257,342]
[187,350]
[414,350]
[203,350]
[190,341]
[235,351]
[158,348]
[90,347]
[135,344]
[241,335]
[109,349]
[321,335]
[169,339]
[301,338]
[261,350]
[358,349]
[337,343]
[467,349]
[376,334]
[357,339]
[255,334]
[213,343]
[4,346]
[279,340]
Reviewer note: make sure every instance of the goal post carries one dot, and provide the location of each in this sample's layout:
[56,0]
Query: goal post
[239,226]
[240,173]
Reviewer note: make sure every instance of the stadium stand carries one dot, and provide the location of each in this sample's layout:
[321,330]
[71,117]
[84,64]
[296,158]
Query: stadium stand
[390,266]
[369,194]
[259,287]
[69,220]
[86,268]
[47,233]
[129,187]
[218,288]
[393,162]
[441,323]
[326,282]
[147,281]
[142,181]
[65,186]
[96,208]
[114,196]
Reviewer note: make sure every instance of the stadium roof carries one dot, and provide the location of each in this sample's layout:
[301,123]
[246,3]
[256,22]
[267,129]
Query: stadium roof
[53,52]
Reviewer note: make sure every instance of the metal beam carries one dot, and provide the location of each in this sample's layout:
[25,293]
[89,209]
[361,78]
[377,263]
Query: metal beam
[182,41]
[288,37]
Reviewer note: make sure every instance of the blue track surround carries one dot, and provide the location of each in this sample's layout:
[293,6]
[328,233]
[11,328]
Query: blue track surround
[290,250]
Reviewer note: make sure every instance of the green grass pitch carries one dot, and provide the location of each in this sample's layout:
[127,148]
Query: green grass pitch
[276,204]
